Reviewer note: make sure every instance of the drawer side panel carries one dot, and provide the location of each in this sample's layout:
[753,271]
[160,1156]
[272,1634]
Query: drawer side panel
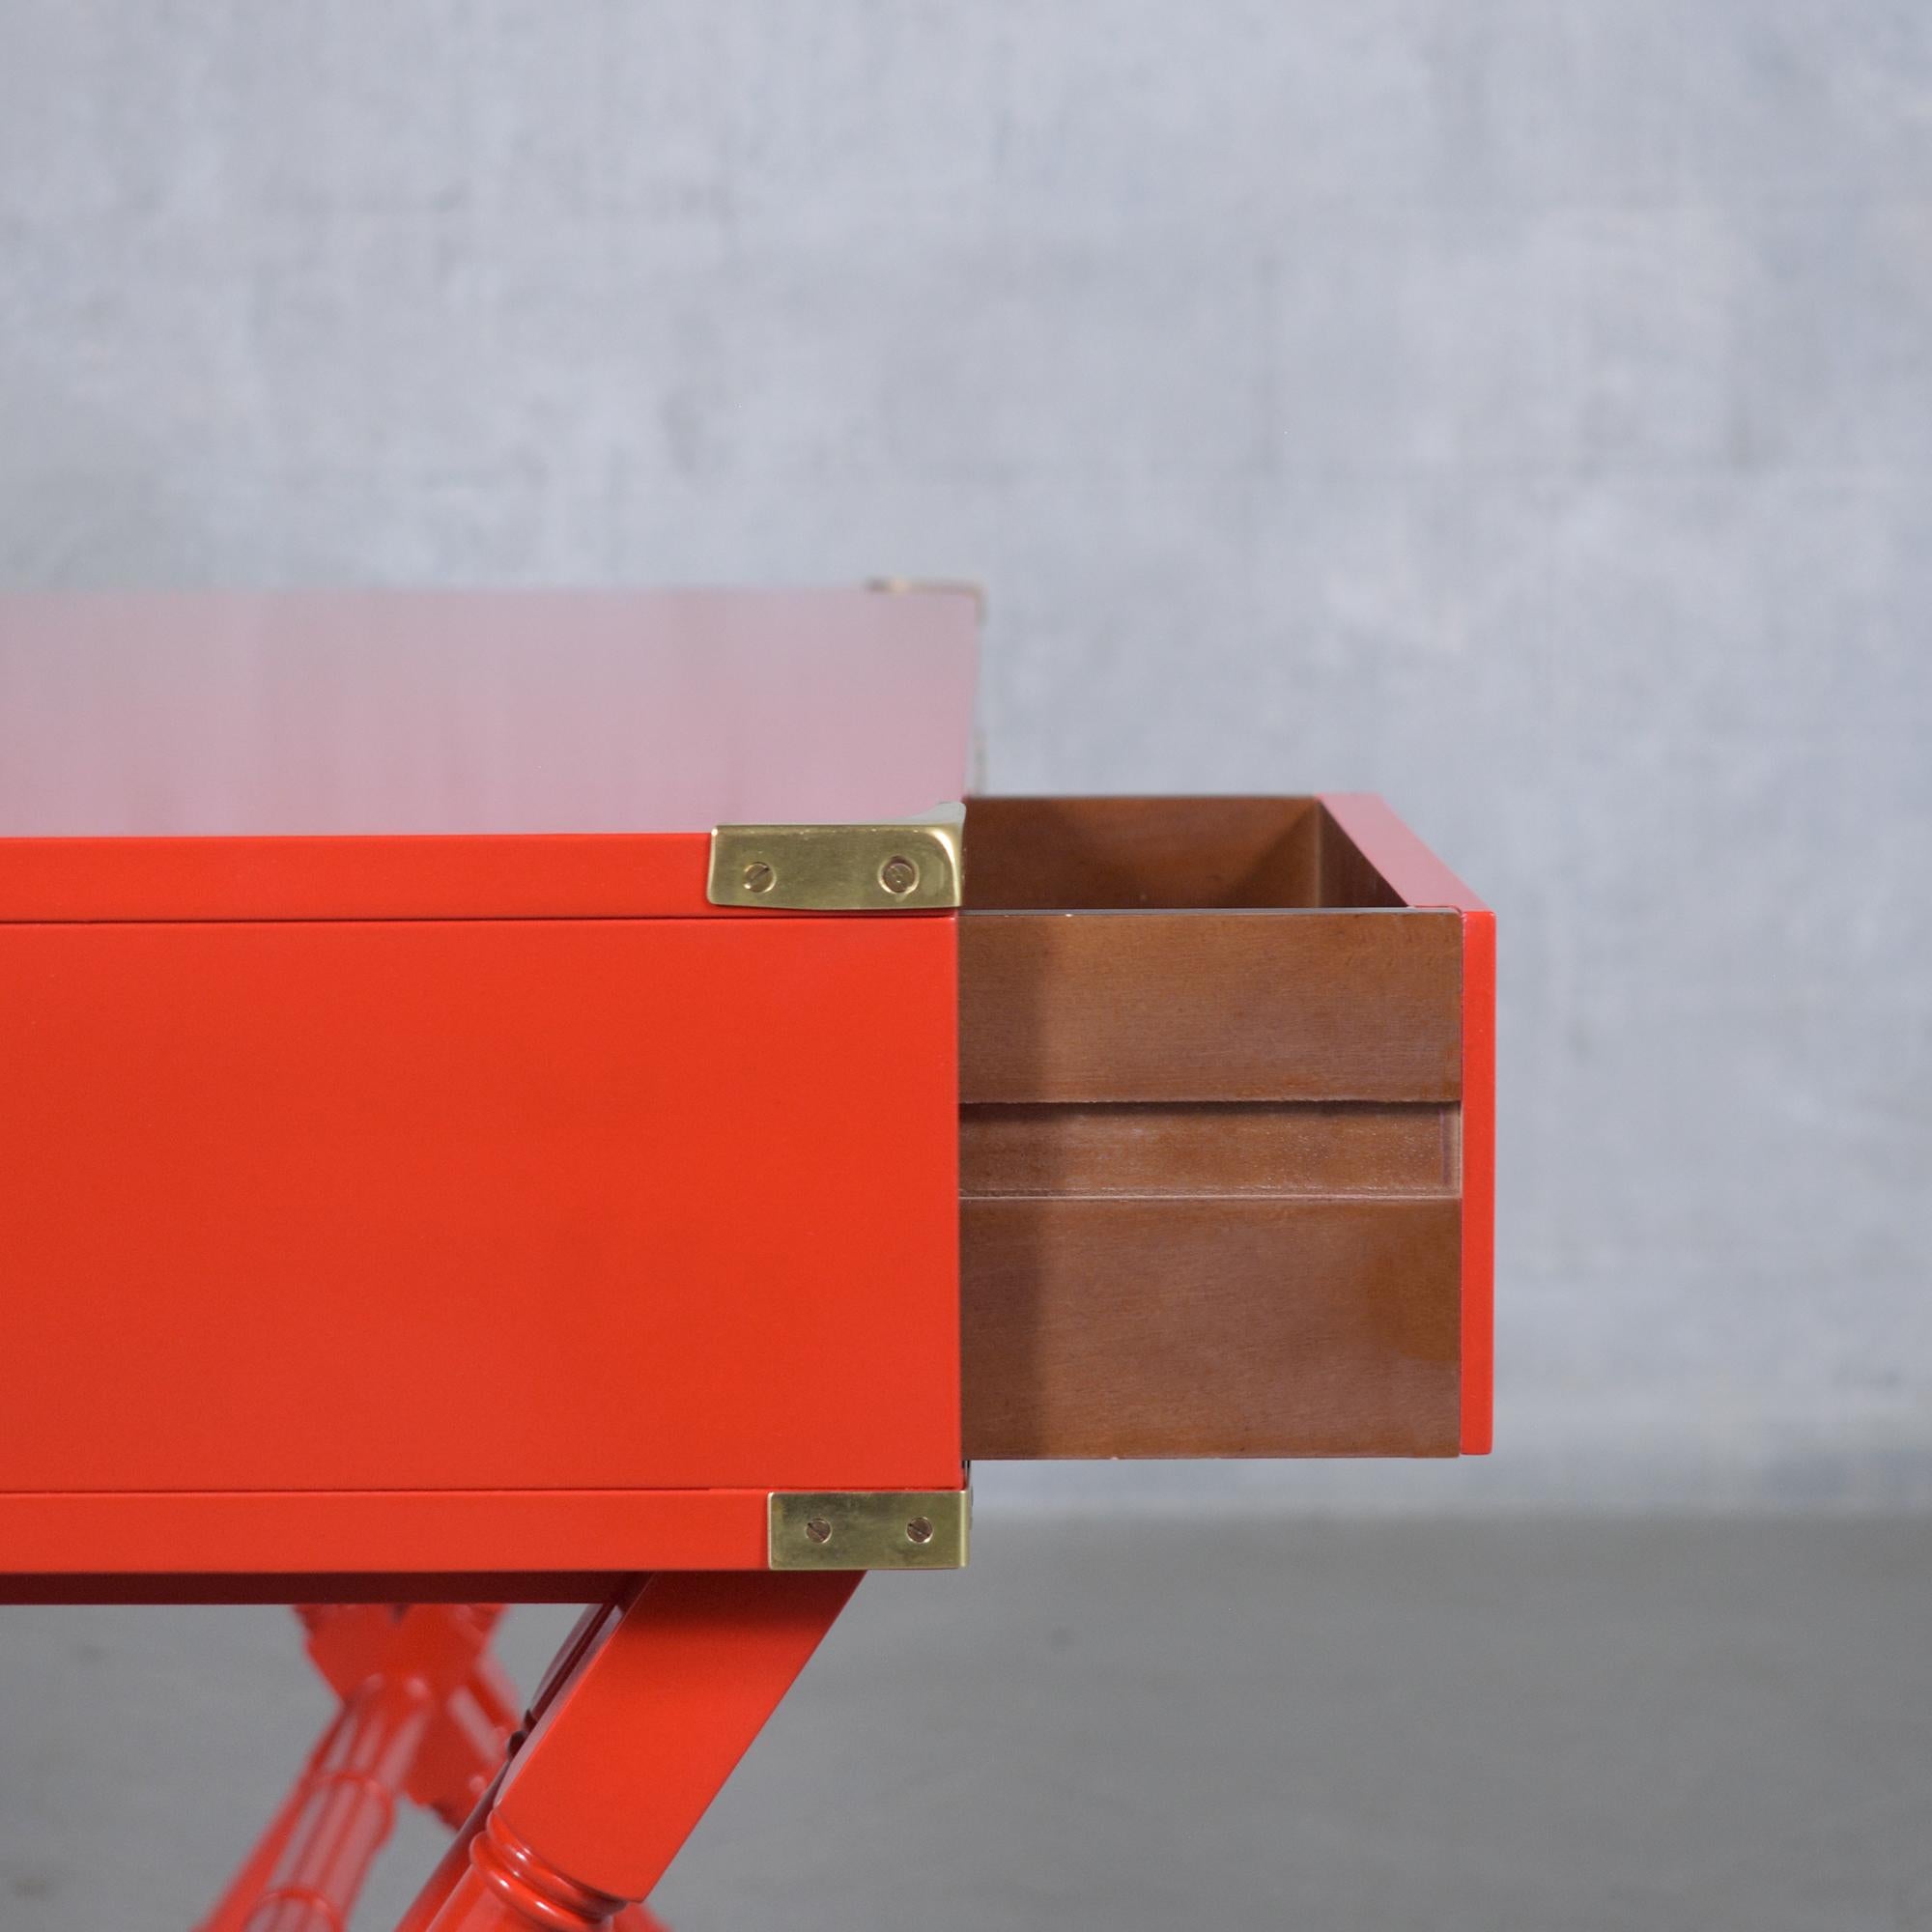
[1240,1006]
[1107,1327]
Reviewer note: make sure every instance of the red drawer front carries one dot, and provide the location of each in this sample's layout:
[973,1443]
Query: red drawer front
[478,1205]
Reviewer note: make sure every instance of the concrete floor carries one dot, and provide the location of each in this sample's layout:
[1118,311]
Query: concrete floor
[1446,1726]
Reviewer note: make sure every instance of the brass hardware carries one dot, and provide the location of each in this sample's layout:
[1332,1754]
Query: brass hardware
[913,867]
[932,586]
[869,1529]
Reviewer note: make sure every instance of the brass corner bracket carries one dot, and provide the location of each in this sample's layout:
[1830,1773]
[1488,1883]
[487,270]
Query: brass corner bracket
[913,866]
[933,587]
[869,1529]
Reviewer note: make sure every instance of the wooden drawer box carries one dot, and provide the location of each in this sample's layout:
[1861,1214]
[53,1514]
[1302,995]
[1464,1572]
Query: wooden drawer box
[1226,1084]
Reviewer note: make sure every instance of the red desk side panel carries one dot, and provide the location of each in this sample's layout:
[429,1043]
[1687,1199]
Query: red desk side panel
[408,1207]
[404,1168]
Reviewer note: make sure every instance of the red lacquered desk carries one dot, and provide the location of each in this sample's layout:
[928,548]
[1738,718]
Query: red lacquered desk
[540,1097]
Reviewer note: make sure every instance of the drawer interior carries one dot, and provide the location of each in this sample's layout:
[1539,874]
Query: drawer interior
[1179,854]
[1210,1152]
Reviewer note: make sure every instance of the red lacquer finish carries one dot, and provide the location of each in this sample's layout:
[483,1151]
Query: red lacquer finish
[635,1742]
[404,1170]
[410,1182]
[1479,1178]
[655,875]
[570,1822]
[425,1713]
[1421,879]
[408,1179]
[367,1535]
[696,1179]
[347,1810]
[235,715]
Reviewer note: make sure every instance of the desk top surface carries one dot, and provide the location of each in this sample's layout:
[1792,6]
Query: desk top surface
[371,712]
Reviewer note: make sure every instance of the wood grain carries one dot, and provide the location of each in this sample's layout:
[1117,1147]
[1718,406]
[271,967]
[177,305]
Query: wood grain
[1206,1149]
[1142,853]
[1210,1327]
[1242,1006]
[1210,1146]
[1346,877]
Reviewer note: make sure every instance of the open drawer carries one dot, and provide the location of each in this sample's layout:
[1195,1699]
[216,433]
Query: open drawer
[1227,1081]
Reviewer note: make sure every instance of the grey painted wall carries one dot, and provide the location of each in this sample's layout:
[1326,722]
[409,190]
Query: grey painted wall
[1520,407]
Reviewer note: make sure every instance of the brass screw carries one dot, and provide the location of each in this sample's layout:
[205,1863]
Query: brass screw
[759,877]
[819,1530]
[898,875]
[919,1529]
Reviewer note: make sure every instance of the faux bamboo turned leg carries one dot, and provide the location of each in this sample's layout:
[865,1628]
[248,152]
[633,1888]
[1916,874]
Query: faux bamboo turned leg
[246,1887]
[588,1631]
[348,1808]
[425,1713]
[455,1861]
[635,1743]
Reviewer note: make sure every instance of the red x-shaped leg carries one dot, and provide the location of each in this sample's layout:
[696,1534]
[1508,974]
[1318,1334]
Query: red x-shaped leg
[426,1713]
[568,1822]
[647,1712]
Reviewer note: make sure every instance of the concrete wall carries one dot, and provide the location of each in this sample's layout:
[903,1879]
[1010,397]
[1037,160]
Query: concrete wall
[1520,407]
